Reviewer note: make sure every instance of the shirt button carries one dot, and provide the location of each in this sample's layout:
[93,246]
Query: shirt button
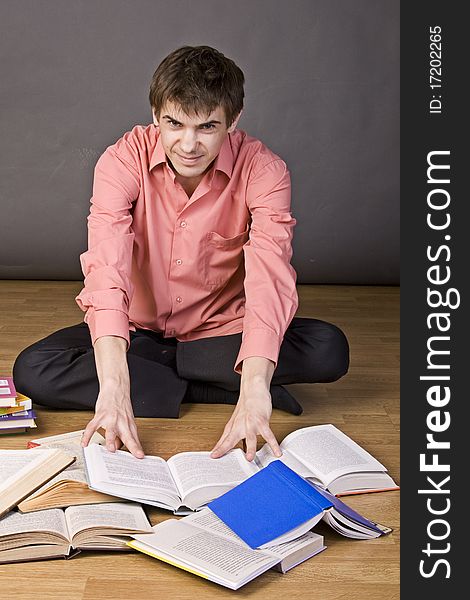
[179,299]
[179,261]
[183,224]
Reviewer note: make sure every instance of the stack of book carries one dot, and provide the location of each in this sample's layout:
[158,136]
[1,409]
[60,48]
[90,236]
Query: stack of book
[16,410]
[54,532]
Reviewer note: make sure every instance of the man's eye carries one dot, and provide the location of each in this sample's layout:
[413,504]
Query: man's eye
[174,123]
[208,126]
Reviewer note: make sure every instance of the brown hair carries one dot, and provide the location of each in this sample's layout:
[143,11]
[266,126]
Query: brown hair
[198,78]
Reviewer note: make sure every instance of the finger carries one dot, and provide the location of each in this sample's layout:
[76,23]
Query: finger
[110,438]
[225,433]
[273,444]
[216,448]
[227,444]
[250,446]
[133,444]
[88,432]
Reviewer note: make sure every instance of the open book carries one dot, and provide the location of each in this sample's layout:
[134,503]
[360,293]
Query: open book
[276,505]
[328,457]
[24,471]
[203,545]
[186,480]
[56,533]
[321,454]
[69,487]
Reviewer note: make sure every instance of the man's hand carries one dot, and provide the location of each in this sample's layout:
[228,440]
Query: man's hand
[252,412]
[113,409]
[113,412]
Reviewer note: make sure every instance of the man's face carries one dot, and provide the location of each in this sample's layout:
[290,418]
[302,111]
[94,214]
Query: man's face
[192,142]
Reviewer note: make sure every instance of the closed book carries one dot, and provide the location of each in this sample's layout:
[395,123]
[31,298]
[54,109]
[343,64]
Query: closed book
[18,416]
[22,403]
[14,430]
[15,423]
[7,392]
[23,419]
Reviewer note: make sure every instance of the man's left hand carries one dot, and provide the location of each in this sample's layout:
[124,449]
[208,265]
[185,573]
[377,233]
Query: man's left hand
[249,419]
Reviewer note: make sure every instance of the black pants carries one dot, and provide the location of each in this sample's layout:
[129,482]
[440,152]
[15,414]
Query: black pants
[59,371]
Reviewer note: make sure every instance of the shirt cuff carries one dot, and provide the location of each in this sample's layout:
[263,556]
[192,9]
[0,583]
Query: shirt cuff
[258,342]
[107,322]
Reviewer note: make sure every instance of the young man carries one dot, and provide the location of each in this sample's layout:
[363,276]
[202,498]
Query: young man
[189,294]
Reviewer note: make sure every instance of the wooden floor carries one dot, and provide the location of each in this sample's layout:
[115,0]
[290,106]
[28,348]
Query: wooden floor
[364,404]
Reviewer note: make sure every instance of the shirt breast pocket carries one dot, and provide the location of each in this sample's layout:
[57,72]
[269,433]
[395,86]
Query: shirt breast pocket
[223,257]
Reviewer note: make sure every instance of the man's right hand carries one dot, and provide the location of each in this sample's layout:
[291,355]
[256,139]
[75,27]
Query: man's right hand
[113,409]
[114,414]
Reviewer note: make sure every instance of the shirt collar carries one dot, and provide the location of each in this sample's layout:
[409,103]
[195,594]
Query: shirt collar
[223,162]
[158,155]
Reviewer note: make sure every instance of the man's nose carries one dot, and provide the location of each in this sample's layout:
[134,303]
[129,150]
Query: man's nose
[188,141]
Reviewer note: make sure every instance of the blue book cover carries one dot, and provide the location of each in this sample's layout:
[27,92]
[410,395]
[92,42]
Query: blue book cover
[268,504]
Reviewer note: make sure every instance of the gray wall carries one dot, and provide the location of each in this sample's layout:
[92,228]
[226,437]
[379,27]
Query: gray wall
[322,91]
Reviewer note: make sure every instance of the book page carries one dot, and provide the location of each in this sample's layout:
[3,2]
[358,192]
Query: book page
[206,519]
[209,552]
[329,453]
[287,548]
[117,516]
[265,456]
[14,464]
[70,443]
[70,436]
[192,470]
[52,520]
[335,517]
[121,468]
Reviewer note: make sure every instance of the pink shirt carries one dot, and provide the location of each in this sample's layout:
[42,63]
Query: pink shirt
[214,264]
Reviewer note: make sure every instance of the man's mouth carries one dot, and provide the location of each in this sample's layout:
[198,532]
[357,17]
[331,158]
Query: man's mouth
[188,159]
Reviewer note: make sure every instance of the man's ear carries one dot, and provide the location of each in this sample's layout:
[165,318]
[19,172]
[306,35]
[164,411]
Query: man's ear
[155,120]
[234,124]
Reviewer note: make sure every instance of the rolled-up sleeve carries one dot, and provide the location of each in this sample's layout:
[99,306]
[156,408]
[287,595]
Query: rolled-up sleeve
[107,263]
[271,298]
